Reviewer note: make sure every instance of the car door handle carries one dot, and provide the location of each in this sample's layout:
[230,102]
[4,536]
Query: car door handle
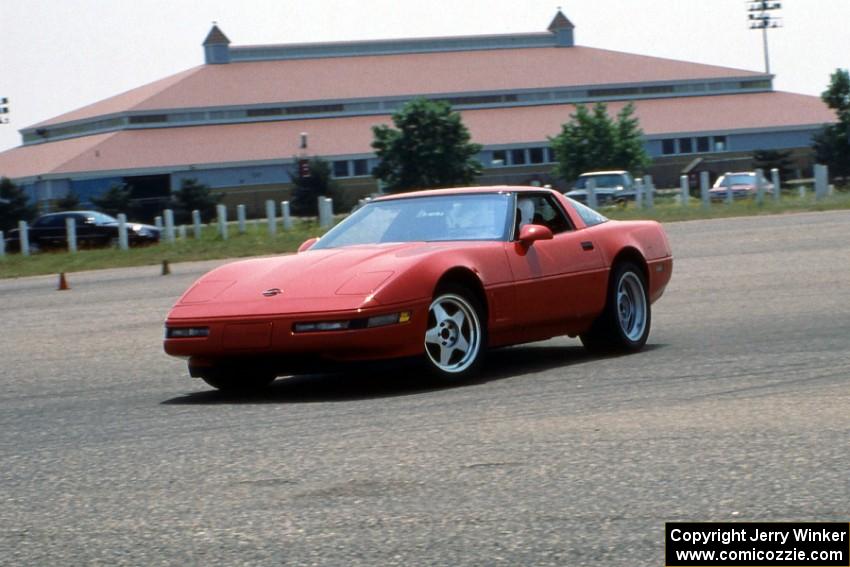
[587,245]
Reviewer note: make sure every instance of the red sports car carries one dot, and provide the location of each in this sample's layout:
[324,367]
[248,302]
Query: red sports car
[440,275]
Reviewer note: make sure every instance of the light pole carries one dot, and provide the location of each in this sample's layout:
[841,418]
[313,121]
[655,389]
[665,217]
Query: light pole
[762,18]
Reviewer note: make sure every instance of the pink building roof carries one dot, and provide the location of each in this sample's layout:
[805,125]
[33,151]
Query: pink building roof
[339,78]
[165,148]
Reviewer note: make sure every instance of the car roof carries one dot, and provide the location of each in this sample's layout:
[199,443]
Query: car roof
[612,172]
[71,213]
[464,191]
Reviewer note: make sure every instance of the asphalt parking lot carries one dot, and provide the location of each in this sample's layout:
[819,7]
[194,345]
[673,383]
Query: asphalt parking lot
[737,410]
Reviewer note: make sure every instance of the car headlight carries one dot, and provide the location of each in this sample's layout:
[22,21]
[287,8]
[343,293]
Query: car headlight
[186,332]
[352,324]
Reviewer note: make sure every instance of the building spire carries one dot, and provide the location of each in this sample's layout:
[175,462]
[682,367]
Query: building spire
[216,46]
[216,36]
[562,28]
[560,22]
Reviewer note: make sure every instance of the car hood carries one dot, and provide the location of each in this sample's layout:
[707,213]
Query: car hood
[596,190]
[313,281]
[133,225]
[735,186]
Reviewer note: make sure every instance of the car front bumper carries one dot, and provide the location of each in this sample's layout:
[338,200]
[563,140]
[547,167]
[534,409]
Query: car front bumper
[276,336]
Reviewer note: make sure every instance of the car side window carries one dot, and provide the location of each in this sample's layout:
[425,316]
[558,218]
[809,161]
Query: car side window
[52,221]
[588,215]
[543,210]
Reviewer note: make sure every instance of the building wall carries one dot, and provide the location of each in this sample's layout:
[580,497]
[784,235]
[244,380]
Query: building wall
[234,177]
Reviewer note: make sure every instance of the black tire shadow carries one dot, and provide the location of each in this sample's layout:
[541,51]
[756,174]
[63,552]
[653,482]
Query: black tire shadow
[399,378]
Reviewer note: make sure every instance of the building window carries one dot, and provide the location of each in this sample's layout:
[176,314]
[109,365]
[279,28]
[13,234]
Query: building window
[686,146]
[500,158]
[536,155]
[148,119]
[702,144]
[610,92]
[657,89]
[360,166]
[258,112]
[517,157]
[720,143]
[340,168]
[668,146]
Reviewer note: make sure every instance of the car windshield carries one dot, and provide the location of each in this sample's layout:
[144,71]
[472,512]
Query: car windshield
[607,180]
[737,179]
[100,218]
[478,216]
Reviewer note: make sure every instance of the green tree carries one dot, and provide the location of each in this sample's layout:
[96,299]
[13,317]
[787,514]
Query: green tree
[832,143]
[770,159]
[115,200]
[308,188]
[430,147]
[194,195]
[70,202]
[592,140]
[14,205]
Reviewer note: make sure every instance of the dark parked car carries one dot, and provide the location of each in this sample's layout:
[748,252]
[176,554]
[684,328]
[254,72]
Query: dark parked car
[93,229]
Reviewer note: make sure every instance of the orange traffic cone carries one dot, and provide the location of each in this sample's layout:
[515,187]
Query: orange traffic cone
[166,269]
[63,283]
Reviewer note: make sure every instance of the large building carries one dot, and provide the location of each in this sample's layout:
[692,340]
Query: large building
[236,122]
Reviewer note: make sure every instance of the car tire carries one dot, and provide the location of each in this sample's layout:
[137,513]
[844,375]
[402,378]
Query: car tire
[233,381]
[456,334]
[624,324]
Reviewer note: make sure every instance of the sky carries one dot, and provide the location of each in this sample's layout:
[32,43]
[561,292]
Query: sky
[59,55]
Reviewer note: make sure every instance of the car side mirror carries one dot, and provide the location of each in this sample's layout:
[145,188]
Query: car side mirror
[307,244]
[531,233]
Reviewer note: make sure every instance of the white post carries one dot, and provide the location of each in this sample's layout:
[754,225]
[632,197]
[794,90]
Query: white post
[240,217]
[639,192]
[591,194]
[801,192]
[24,237]
[182,232]
[685,191]
[123,241]
[774,175]
[728,182]
[821,181]
[157,221]
[272,217]
[71,234]
[169,225]
[2,244]
[222,221]
[324,215]
[703,189]
[649,186]
[287,217]
[196,223]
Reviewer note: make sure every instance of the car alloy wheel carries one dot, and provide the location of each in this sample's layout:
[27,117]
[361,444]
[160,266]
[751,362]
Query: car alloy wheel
[454,338]
[631,306]
[624,324]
